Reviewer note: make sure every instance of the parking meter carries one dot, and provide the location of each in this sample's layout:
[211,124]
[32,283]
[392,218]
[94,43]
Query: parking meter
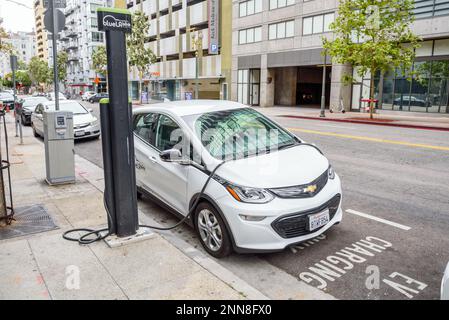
[59,147]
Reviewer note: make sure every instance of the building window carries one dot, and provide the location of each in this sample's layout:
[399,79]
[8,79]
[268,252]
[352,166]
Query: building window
[430,8]
[275,4]
[317,24]
[250,35]
[250,7]
[281,30]
[97,37]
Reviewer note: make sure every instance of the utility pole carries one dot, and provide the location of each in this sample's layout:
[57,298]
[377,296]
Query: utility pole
[198,45]
[323,89]
[54,27]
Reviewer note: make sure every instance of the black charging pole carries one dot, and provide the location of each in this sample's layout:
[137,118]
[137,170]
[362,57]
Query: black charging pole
[116,125]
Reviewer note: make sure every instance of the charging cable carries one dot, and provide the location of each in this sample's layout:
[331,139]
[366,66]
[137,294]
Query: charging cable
[87,239]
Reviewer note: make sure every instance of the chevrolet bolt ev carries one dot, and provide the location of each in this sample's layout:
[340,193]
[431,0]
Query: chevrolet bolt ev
[273,189]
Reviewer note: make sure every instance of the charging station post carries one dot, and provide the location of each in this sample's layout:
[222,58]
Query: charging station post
[116,125]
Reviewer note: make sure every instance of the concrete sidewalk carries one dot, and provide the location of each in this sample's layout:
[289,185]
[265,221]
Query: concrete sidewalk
[390,118]
[44,266]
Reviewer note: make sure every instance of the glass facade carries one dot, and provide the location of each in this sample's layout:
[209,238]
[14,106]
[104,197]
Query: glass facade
[425,88]
[430,8]
[248,87]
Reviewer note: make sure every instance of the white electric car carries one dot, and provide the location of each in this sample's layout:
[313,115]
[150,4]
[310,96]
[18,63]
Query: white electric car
[273,189]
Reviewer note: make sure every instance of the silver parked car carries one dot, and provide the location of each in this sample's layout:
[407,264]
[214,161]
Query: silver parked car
[85,124]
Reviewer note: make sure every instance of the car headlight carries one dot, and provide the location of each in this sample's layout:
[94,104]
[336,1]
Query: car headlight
[94,123]
[331,173]
[246,194]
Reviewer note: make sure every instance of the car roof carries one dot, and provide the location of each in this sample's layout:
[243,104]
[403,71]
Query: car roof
[52,102]
[191,107]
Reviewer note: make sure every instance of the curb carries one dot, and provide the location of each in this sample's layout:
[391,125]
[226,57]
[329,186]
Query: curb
[375,123]
[91,172]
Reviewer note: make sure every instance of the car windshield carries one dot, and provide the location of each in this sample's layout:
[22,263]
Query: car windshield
[6,95]
[33,102]
[74,107]
[239,133]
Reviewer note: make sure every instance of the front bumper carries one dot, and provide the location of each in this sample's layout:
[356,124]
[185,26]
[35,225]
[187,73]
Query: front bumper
[85,132]
[265,235]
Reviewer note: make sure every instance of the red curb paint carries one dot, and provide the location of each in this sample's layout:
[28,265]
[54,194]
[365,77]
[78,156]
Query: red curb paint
[376,123]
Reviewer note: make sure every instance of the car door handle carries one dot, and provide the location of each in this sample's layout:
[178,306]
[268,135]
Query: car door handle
[153,159]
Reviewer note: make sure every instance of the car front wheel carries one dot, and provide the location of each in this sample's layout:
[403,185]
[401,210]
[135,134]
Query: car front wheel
[212,231]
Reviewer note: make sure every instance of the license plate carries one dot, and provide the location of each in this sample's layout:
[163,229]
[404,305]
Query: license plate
[318,220]
[79,133]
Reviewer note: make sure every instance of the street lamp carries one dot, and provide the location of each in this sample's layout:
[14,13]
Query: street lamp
[197,41]
[323,89]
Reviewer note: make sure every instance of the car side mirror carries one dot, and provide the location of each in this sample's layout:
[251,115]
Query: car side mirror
[173,155]
[90,110]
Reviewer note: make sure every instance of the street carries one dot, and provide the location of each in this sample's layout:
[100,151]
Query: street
[395,195]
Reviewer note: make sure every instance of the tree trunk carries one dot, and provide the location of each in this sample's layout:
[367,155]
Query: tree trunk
[371,95]
[140,86]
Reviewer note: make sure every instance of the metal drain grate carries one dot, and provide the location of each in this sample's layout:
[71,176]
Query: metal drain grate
[28,220]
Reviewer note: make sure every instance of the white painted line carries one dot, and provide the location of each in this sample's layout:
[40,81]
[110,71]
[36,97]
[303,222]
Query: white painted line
[368,216]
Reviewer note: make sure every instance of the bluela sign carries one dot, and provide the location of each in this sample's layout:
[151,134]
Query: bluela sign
[114,20]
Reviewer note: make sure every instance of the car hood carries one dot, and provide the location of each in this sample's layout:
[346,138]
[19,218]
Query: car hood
[289,167]
[80,119]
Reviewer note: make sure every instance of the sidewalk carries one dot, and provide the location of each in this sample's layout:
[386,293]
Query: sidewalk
[415,120]
[44,266]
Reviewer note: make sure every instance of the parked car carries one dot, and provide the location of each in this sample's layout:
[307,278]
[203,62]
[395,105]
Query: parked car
[7,99]
[85,125]
[412,101]
[445,285]
[87,95]
[268,195]
[97,97]
[27,106]
[51,96]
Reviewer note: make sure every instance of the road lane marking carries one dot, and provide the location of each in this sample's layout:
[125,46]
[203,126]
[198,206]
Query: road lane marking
[348,136]
[368,216]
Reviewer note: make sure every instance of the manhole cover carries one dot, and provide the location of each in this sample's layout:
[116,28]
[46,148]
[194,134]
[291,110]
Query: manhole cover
[28,220]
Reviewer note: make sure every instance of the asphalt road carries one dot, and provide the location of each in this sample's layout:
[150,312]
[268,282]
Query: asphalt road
[395,231]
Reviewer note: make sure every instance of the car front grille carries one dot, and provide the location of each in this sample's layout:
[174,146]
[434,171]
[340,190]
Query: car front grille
[297,192]
[296,224]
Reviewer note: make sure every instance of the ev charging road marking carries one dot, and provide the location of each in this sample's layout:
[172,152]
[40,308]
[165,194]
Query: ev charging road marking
[368,216]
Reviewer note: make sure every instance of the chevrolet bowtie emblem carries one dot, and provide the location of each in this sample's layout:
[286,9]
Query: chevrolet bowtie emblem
[311,189]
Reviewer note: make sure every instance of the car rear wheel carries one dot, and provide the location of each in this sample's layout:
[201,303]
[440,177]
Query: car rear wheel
[212,231]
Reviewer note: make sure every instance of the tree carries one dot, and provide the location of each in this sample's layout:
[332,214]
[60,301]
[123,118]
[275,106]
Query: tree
[373,36]
[39,71]
[100,61]
[62,61]
[22,78]
[139,56]
[5,47]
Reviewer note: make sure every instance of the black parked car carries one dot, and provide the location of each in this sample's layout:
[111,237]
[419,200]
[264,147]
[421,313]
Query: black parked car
[7,99]
[27,107]
[98,97]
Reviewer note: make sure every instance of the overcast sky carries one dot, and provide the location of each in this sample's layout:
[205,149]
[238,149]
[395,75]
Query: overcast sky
[16,17]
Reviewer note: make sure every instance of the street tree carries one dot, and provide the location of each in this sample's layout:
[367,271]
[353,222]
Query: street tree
[62,62]
[5,47]
[39,71]
[373,36]
[140,57]
[22,79]
[100,61]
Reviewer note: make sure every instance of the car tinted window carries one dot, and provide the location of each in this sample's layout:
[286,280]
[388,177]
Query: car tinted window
[168,134]
[145,126]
